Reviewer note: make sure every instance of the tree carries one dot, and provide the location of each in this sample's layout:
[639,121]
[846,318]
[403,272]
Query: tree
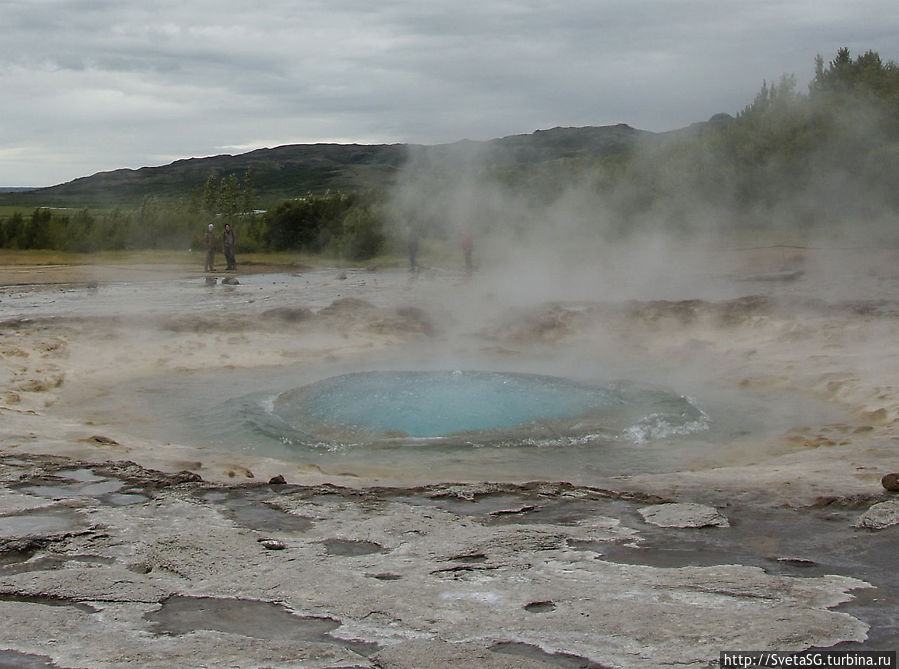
[331,222]
[14,228]
[211,195]
[38,234]
[248,193]
[79,234]
[865,78]
[361,234]
[229,197]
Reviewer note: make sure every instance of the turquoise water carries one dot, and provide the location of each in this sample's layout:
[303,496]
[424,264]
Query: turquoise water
[437,404]
[475,406]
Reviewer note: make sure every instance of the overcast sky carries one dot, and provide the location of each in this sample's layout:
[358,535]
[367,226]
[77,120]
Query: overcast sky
[96,85]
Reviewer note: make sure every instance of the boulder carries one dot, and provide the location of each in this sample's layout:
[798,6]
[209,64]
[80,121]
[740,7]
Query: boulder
[880,516]
[890,482]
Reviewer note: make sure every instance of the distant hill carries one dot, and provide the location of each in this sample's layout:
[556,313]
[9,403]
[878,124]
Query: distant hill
[292,170]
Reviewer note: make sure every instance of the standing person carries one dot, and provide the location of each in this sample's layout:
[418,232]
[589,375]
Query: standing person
[467,248]
[229,239]
[210,248]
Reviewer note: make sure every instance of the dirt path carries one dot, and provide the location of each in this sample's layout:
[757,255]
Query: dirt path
[26,275]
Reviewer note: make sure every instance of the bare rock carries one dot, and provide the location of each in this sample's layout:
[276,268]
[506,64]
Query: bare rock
[347,305]
[439,653]
[187,476]
[890,482]
[880,516]
[277,480]
[100,439]
[687,515]
[410,320]
[272,544]
[287,314]
[10,397]
[200,323]
[797,562]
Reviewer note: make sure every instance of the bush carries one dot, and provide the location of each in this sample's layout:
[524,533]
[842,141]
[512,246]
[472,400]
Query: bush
[348,226]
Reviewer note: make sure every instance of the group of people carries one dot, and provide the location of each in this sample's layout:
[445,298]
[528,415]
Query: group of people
[229,240]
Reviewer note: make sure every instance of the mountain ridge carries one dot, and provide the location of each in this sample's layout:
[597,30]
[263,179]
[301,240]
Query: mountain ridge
[292,170]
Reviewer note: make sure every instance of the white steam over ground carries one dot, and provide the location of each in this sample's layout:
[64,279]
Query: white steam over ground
[665,220]
[789,351]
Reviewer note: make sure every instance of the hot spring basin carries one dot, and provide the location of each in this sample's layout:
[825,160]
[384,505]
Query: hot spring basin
[422,405]
[410,426]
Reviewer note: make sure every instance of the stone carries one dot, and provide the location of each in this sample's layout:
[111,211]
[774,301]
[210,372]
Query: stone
[273,544]
[685,515]
[880,516]
[891,482]
[287,314]
[797,562]
[100,439]
[277,480]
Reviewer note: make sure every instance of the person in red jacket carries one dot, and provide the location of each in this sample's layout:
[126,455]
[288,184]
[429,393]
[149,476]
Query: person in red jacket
[467,248]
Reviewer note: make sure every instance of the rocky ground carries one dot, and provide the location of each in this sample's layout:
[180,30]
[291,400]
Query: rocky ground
[119,549]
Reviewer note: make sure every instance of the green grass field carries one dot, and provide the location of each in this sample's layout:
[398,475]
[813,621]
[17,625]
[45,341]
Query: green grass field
[7,210]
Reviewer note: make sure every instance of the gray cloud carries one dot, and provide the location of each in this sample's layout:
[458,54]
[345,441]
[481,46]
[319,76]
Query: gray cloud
[96,85]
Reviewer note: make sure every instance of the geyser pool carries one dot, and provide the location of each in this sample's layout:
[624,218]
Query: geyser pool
[498,408]
[424,424]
